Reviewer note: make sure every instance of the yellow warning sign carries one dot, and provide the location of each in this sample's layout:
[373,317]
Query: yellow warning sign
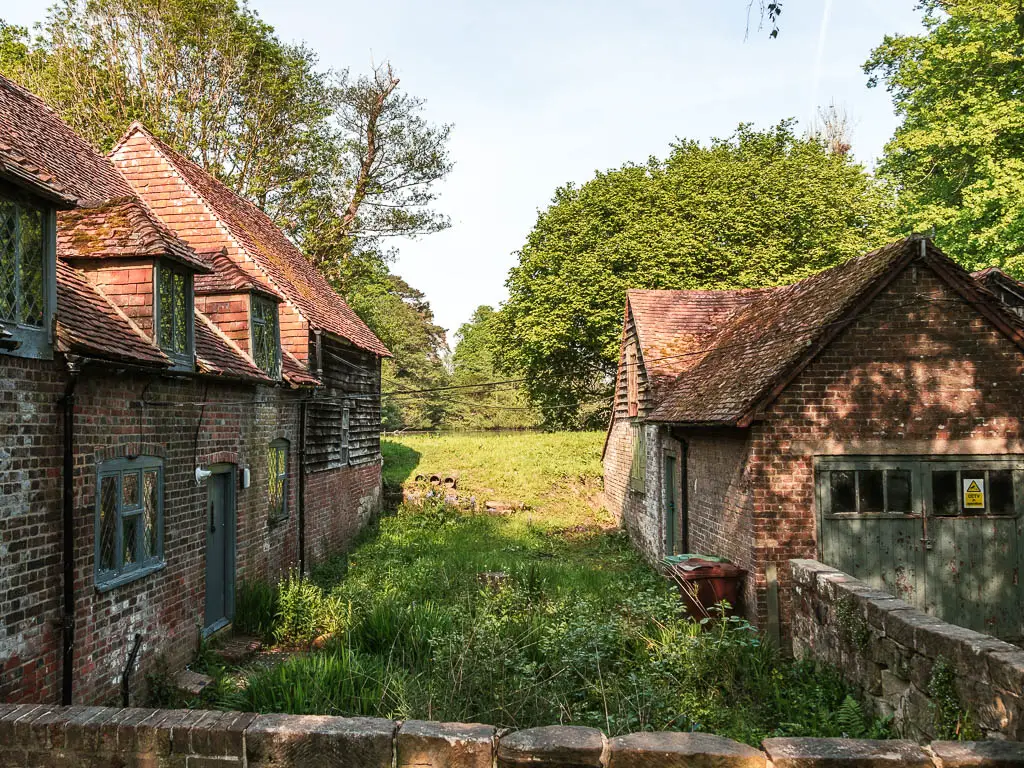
[974,494]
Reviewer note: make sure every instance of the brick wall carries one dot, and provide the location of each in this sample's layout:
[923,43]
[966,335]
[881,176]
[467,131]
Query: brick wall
[339,503]
[30,555]
[129,284]
[230,313]
[919,372]
[186,422]
[44,737]
[720,502]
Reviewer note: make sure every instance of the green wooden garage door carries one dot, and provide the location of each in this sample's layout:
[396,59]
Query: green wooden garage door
[942,533]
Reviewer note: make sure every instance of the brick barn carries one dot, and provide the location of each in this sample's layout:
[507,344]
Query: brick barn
[842,418]
[186,403]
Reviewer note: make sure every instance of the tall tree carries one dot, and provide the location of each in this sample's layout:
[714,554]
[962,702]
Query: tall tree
[958,155]
[482,397]
[400,315]
[339,162]
[760,208]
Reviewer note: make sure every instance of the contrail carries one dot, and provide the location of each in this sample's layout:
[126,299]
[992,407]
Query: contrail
[819,57]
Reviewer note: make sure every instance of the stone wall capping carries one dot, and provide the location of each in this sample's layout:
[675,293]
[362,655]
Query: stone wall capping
[978,754]
[43,736]
[561,746]
[681,750]
[844,753]
[426,744]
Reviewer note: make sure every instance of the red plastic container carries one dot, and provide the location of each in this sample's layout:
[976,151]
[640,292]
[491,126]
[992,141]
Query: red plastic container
[703,584]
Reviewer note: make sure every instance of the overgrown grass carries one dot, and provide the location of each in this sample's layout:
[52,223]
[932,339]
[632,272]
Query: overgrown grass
[528,619]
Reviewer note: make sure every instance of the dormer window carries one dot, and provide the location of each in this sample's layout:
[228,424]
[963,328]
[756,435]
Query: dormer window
[27,276]
[265,337]
[173,313]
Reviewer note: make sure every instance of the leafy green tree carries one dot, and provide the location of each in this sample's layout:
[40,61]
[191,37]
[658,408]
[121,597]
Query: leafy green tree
[491,406]
[958,156]
[340,163]
[759,208]
[401,317]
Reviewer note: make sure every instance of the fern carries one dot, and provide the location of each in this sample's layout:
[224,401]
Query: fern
[850,718]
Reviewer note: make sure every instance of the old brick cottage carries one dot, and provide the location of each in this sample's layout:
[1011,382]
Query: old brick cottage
[843,418]
[185,403]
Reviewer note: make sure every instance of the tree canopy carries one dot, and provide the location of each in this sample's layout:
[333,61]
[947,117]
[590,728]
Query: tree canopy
[476,401]
[340,162]
[958,156]
[758,208]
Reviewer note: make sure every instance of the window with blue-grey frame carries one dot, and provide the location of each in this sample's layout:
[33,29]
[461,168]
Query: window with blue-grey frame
[266,340]
[129,519]
[173,313]
[28,292]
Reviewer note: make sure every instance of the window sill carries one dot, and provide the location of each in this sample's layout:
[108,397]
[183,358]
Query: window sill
[130,576]
[273,522]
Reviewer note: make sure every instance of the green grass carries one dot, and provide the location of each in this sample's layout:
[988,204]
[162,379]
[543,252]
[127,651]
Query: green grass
[574,628]
[549,471]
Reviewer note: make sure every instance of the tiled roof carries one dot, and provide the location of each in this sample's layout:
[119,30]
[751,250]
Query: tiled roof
[283,263]
[217,356]
[122,228]
[38,150]
[295,372]
[755,347]
[227,277]
[670,325]
[89,324]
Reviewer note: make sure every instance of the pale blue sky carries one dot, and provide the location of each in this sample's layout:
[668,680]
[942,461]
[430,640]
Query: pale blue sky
[542,93]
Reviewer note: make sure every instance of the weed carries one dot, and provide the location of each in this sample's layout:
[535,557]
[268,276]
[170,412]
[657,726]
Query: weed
[953,721]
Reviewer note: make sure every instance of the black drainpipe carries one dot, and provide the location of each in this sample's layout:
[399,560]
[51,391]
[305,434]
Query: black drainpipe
[302,488]
[68,619]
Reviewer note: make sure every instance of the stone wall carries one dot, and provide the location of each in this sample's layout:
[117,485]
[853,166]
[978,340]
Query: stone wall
[34,736]
[890,650]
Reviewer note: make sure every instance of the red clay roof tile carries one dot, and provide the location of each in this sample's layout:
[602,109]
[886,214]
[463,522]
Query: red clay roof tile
[227,277]
[38,150]
[122,228]
[217,356]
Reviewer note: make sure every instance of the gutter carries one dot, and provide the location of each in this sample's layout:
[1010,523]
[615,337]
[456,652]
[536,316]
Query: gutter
[68,533]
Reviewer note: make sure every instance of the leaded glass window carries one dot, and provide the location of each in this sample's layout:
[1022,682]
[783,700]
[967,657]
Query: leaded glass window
[266,349]
[22,268]
[277,479]
[129,520]
[174,312]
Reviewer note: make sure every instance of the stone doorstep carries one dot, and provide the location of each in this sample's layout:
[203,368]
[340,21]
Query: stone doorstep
[237,649]
[192,683]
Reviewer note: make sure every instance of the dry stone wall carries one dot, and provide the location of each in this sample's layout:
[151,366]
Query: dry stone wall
[40,736]
[891,651]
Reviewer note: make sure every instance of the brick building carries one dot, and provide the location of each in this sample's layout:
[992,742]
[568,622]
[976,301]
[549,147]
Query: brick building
[842,418]
[185,401]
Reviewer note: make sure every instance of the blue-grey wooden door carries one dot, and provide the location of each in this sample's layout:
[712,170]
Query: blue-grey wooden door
[219,536]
